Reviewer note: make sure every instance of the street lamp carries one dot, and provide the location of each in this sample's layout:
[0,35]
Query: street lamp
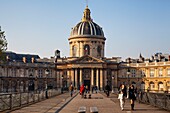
[113,84]
[128,73]
[62,84]
[46,84]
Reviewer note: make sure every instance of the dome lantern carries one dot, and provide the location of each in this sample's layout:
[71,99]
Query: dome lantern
[87,28]
[86,15]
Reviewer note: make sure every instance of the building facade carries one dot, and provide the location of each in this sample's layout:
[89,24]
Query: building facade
[86,65]
[153,74]
[23,73]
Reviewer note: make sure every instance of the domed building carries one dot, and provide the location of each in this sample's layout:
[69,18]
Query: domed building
[87,38]
[87,64]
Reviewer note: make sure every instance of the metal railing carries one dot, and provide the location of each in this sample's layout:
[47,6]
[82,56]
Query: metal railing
[10,101]
[155,98]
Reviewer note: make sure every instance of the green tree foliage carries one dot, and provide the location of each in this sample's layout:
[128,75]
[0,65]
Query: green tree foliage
[3,45]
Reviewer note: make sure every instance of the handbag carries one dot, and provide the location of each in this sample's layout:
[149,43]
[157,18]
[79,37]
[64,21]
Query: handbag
[120,96]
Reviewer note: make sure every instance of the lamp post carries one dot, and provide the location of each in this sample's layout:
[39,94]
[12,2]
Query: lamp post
[113,84]
[128,73]
[62,84]
[46,84]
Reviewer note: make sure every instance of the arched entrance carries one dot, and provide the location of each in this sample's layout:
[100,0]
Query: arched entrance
[151,86]
[86,78]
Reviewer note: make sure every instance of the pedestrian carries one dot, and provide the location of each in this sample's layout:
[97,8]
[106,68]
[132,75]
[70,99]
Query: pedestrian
[71,90]
[87,89]
[82,89]
[132,96]
[122,95]
[107,88]
[92,89]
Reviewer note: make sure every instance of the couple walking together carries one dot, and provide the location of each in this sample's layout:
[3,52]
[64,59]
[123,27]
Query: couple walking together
[123,94]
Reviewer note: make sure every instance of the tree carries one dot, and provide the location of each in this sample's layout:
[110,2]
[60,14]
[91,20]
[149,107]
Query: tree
[3,45]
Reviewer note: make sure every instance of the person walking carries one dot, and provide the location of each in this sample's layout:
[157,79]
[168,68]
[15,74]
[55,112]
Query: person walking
[107,88]
[71,90]
[132,96]
[82,90]
[122,95]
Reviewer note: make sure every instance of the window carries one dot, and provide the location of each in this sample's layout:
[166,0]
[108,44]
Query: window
[152,72]
[40,73]
[99,51]
[13,72]
[168,72]
[50,73]
[74,50]
[160,72]
[31,71]
[143,73]
[86,50]
[133,71]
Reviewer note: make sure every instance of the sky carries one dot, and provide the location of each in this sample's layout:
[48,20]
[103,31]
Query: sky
[131,27]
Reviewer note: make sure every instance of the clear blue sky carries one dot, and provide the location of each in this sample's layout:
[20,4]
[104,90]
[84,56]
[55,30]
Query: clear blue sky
[131,27]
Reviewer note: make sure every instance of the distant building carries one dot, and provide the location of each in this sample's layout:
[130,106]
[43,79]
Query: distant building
[153,73]
[24,72]
[86,65]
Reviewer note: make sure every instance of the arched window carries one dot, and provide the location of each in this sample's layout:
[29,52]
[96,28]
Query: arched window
[160,86]
[86,50]
[99,48]
[151,85]
[74,50]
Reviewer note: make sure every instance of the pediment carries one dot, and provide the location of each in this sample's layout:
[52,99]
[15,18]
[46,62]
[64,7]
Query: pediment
[88,59]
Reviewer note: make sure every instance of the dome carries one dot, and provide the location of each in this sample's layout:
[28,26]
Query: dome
[87,28]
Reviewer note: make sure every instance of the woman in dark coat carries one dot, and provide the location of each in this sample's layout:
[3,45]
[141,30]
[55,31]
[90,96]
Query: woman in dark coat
[132,96]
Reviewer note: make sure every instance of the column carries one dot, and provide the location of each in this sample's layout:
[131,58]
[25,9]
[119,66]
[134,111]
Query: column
[58,79]
[60,75]
[156,86]
[36,84]
[76,78]
[101,79]
[147,73]
[146,85]
[97,78]
[26,73]
[156,72]
[1,85]
[81,77]
[105,77]
[92,77]
[68,78]
[165,86]
[36,73]
[72,77]
[164,72]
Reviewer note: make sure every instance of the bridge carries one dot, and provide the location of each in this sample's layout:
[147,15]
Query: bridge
[64,103]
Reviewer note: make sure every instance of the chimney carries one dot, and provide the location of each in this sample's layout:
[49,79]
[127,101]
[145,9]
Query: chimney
[7,58]
[24,59]
[32,60]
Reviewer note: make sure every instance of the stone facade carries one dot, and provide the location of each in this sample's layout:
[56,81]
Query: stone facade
[24,76]
[86,65]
